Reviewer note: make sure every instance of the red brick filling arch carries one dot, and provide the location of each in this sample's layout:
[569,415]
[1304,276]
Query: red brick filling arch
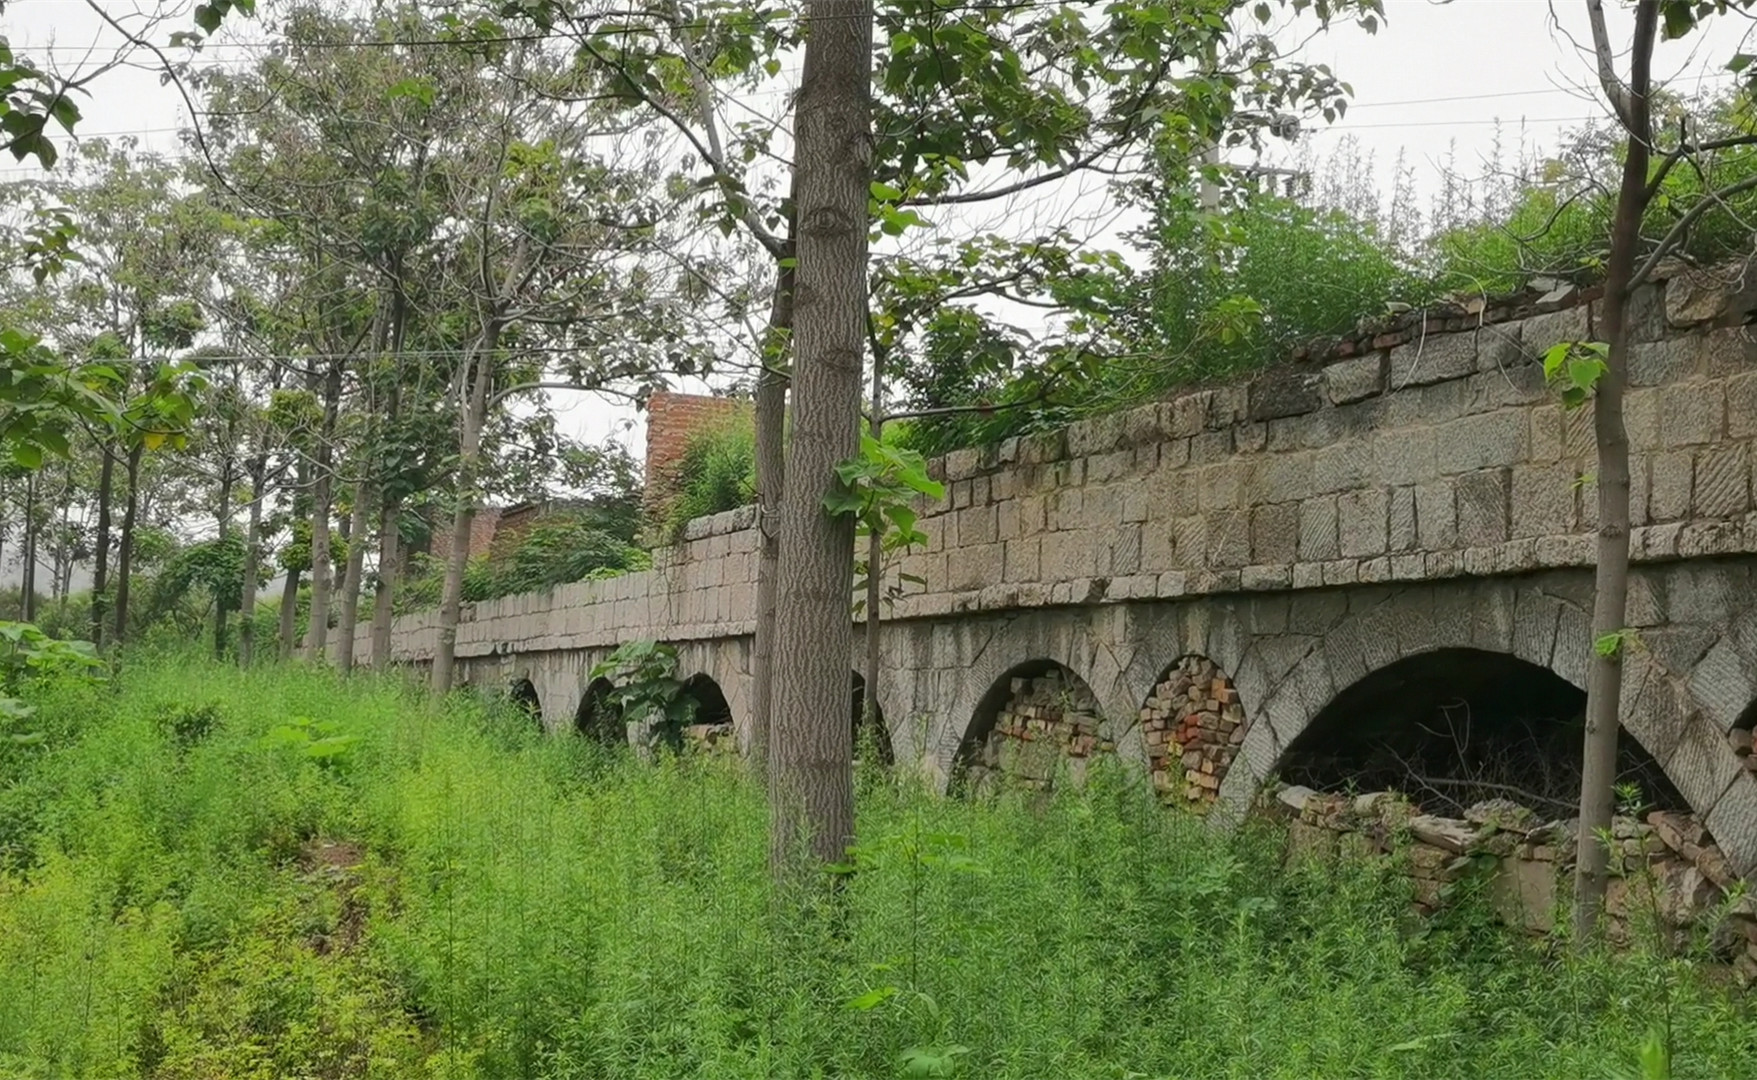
[1035,720]
[1193,724]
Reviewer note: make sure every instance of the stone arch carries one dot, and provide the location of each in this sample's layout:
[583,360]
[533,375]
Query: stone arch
[1543,620]
[1192,723]
[1035,717]
[876,733]
[523,694]
[960,664]
[598,718]
[1455,726]
[712,723]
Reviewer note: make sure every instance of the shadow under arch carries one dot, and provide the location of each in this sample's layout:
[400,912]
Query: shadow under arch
[598,718]
[874,733]
[711,706]
[1032,718]
[523,694]
[1455,726]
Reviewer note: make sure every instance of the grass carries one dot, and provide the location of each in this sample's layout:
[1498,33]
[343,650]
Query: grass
[214,874]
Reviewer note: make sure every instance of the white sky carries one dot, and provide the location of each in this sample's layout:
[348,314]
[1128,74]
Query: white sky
[1435,78]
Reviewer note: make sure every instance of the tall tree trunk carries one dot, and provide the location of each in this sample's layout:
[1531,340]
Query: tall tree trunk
[390,551]
[771,447]
[222,602]
[350,618]
[323,496]
[28,582]
[101,546]
[1604,683]
[811,782]
[125,548]
[252,537]
[289,628]
[469,454]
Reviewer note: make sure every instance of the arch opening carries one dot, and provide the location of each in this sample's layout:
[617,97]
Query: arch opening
[1193,723]
[1035,718]
[710,721]
[599,719]
[871,736]
[1456,727]
[523,695]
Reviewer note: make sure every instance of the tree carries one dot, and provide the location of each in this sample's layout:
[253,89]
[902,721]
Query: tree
[811,791]
[974,105]
[1600,371]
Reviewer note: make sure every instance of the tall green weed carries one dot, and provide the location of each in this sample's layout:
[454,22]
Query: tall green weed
[447,892]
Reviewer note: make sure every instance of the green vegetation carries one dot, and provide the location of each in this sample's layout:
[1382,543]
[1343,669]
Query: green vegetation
[1227,293]
[282,875]
[716,473]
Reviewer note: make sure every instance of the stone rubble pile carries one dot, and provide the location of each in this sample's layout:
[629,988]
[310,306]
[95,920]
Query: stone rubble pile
[1193,725]
[1048,719]
[1667,869]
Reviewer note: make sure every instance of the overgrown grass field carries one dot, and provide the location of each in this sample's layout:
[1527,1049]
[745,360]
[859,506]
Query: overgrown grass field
[273,874]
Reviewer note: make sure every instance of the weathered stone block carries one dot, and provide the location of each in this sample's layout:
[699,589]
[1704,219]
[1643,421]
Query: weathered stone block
[1401,529]
[1221,486]
[1022,560]
[1283,392]
[1657,363]
[1262,578]
[1483,441]
[1355,380]
[1542,501]
[1482,507]
[1406,456]
[1670,485]
[1436,358]
[1229,539]
[1539,332]
[1546,433]
[1641,418]
[1319,538]
[1210,447]
[1498,348]
[1436,515]
[1342,467]
[1362,517]
[1690,414]
[1722,482]
[1275,533]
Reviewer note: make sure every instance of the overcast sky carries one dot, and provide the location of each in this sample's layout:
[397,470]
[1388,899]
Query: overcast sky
[1433,81]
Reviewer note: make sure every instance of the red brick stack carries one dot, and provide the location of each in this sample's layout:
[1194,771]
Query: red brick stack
[1193,725]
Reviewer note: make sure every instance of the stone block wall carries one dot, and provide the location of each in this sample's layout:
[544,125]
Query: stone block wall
[1427,451]
[1669,876]
[1193,725]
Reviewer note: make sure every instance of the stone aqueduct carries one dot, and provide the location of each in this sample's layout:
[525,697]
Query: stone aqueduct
[1385,496]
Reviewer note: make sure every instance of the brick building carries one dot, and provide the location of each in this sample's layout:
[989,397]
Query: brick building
[672,421]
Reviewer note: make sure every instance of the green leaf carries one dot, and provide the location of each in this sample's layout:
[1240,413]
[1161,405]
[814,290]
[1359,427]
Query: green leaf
[872,998]
[208,17]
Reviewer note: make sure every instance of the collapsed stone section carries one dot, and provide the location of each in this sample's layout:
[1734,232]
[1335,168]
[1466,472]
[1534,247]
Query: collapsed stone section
[1047,718]
[1193,724]
[1668,872]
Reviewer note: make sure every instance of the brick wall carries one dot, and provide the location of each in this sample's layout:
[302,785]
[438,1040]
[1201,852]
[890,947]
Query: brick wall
[482,529]
[672,421]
